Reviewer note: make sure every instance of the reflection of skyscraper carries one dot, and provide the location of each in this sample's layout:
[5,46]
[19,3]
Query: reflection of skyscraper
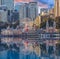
[33,10]
[8,3]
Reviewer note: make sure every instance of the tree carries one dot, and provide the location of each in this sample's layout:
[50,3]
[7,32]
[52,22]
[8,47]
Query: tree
[57,19]
[44,20]
[37,21]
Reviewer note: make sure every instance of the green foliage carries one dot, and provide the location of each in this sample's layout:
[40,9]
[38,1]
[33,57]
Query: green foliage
[43,23]
[57,22]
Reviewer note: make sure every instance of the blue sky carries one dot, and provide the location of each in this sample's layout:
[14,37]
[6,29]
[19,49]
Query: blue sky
[50,3]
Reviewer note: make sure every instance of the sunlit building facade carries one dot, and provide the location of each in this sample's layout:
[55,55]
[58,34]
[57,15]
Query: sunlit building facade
[57,8]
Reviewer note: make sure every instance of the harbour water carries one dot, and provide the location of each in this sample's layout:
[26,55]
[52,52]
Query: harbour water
[29,51]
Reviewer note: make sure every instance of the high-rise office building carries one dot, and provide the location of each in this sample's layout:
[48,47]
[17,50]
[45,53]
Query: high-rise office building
[8,3]
[28,10]
[57,8]
[33,10]
[22,11]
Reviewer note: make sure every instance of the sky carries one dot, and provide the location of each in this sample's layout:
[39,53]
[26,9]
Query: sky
[23,0]
[45,3]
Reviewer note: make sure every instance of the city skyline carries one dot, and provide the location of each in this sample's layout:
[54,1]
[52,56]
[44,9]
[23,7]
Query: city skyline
[42,3]
[29,29]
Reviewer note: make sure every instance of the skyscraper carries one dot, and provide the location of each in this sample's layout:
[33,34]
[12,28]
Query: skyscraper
[22,11]
[28,10]
[57,8]
[8,3]
[33,10]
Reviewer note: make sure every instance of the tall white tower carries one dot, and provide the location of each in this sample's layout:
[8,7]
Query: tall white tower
[57,8]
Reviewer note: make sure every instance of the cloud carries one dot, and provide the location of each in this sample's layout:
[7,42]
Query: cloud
[48,2]
[23,0]
[45,3]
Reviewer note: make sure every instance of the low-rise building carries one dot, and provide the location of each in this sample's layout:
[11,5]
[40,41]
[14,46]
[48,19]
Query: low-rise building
[3,16]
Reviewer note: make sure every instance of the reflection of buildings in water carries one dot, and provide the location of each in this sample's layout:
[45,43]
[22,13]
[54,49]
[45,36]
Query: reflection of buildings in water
[11,32]
[51,29]
[30,45]
[7,32]
[17,40]
[33,47]
[17,31]
[37,50]
[7,40]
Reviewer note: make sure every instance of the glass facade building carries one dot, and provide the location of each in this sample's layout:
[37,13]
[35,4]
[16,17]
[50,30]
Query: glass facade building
[8,3]
[28,10]
[33,10]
